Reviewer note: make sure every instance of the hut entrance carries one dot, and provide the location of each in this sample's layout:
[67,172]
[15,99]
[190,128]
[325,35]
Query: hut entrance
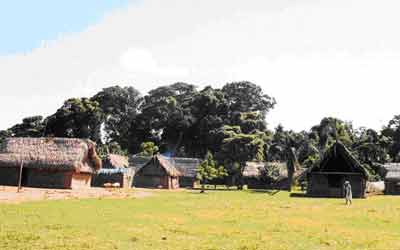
[335,181]
[335,184]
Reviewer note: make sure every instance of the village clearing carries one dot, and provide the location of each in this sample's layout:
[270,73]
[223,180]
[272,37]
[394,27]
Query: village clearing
[216,220]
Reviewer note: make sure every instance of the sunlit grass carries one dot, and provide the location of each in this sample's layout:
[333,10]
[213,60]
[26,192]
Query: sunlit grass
[214,220]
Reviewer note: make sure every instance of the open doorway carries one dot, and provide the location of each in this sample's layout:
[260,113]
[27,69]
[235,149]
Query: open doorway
[24,177]
[335,183]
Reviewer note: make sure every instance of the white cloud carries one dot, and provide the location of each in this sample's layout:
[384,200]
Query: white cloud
[317,58]
[138,61]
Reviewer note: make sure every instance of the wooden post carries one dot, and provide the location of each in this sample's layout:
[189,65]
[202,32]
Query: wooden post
[20,176]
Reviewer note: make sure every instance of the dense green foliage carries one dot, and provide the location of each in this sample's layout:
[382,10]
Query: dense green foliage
[209,170]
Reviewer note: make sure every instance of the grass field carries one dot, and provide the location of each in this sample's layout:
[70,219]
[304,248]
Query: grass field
[217,220]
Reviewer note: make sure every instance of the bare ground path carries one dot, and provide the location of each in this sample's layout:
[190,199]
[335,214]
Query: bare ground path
[9,194]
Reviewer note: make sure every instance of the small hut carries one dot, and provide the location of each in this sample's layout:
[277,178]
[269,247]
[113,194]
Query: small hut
[188,168]
[115,170]
[392,178]
[48,162]
[158,173]
[338,165]
[265,175]
[254,175]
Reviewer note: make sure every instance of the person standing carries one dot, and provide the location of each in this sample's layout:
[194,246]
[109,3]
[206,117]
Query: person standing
[347,193]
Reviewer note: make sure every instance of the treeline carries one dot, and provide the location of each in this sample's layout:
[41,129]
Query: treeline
[181,120]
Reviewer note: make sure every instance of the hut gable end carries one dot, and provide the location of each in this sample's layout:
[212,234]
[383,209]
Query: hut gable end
[159,166]
[339,159]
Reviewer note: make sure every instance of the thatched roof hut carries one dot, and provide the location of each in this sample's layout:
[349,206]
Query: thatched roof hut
[50,153]
[186,166]
[158,173]
[265,175]
[392,178]
[47,157]
[338,165]
[254,169]
[188,169]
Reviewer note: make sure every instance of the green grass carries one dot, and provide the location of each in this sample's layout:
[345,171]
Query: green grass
[217,220]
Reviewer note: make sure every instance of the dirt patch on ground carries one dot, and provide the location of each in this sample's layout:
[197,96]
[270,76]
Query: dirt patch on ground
[10,194]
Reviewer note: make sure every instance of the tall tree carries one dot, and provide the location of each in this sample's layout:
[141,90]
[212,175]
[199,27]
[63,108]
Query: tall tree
[166,116]
[237,148]
[247,97]
[79,118]
[392,132]
[30,127]
[120,106]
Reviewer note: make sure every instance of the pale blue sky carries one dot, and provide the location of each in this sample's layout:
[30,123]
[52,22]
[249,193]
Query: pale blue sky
[318,58]
[24,24]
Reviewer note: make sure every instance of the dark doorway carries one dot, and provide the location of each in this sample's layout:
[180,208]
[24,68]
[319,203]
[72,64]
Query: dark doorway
[24,177]
[335,181]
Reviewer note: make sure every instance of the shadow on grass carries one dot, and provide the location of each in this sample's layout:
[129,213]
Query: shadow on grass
[213,189]
[264,191]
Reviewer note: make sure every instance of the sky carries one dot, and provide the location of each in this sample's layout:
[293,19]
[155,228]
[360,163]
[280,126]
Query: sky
[318,58]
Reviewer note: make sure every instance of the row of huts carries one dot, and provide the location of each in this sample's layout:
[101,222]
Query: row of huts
[73,163]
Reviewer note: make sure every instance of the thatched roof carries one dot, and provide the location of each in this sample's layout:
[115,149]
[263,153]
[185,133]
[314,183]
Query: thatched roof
[392,171]
[253,169]
[335,151]
[137,161]
[187,166]
[50,153]
[164,163]
[116,161]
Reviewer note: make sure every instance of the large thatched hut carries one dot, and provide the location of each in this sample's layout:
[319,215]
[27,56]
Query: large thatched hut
[115,170]
[392,178]
[338,165]
[48,162]
[158,173]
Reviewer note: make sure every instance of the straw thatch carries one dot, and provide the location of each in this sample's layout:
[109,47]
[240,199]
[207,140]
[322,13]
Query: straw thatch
[50,153]
[162,162]
[392,178]
[170,169]
[254,169]
[116,161]
[392,171]
[138,161]
[187,166]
